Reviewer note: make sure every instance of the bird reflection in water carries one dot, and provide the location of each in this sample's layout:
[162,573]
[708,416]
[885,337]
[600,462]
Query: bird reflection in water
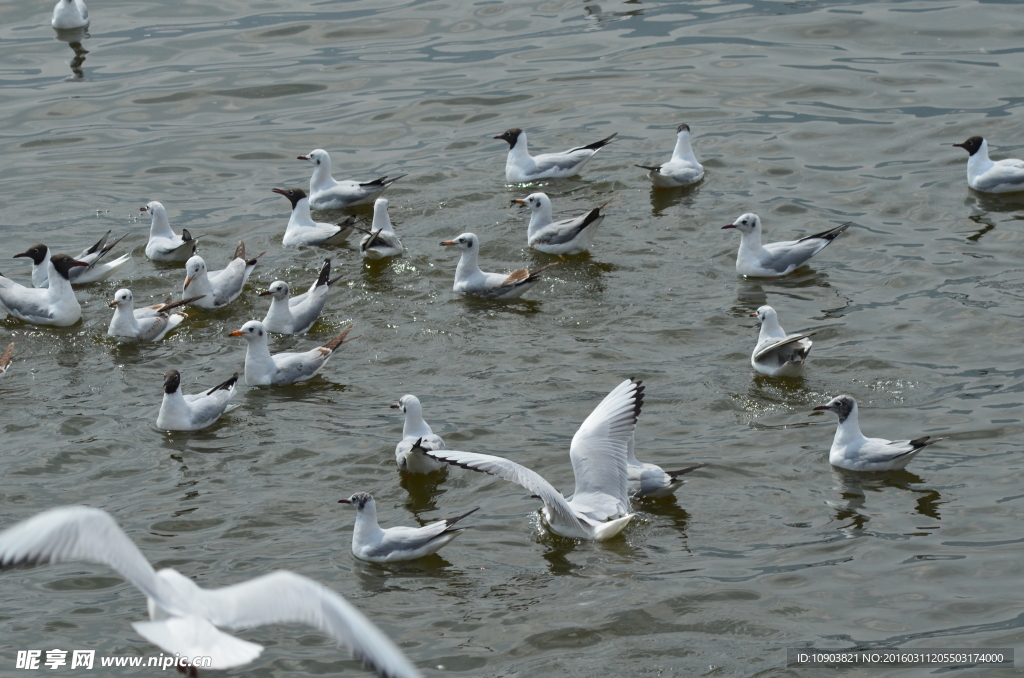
[74,38]
[855,486]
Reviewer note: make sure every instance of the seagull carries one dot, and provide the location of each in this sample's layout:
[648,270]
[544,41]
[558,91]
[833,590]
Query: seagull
[295,315]
[180,412]
[94,272]
[380,241]
[55,305]
[164,244]
[683,169]
[778,354]
[70,14]
[264,369]
[777,258]
[416,437]
[568,236]
[650,480]
[6,359]
[522,167]
[852,451]
[471,281]
[185,617]
[217,288]
[150,323]
[599,508]
[327,194]
[999,176]
[302,231]
[370,542]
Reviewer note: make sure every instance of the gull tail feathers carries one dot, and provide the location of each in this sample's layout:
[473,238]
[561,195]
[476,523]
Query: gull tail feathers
[612,528]
[197,637]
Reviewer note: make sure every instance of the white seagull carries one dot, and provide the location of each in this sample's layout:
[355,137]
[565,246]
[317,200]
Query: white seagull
[6,359]
[599,508]
[568,236]
[54,305]
[683,169]
[988,176]
[94,272]
[302,231]
[150,323]
[180,412]
[370,542]
[164,244]
[852,451]
[70,14]
[650,480]
[380,241]
[295,315]
[327,194]
[186,619]
[777,258]
[521,167]
[218,288]
[471,281]
[264,369]
[416,437]
[778,354]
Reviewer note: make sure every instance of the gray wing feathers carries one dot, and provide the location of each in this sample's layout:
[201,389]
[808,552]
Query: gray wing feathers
[781,343]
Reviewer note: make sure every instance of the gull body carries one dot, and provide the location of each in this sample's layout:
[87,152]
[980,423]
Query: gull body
[683,169]
[650,480]
[6,359]
[991,176]
[565,237]
[327,194]
[371,542]
[382,241]
[416,438]
[215,289]
[186,619]
[54,305]
[471,281]
[599,508]
[854,452]
[69,14]
[264,369]
[151,323]
[295,315]
[778,354]
[521,167]
[302,231]
[180,412]
[164,244]
[777,258]
[94,271]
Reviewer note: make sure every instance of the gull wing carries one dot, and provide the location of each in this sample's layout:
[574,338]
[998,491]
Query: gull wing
[776,345]
[1002,173]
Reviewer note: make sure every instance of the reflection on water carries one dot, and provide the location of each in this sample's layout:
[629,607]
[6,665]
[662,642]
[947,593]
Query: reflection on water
[854,488]
[423,489]
[664,199]
[74,38]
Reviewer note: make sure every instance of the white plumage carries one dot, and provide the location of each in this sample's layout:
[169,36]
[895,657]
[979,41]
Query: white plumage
[180,412]
[521,167]
[778,354]
[416,438]
[264,369]
[683,169]
[777,258]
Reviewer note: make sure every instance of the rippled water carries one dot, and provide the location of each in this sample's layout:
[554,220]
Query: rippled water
[808,113]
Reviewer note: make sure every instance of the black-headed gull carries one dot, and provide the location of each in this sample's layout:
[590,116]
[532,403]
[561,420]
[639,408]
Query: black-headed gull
[69,14]
[599,508]
[852,451]
[164,244]
[185,618]
[650,480]
[150,323]
[54,305]
[180,412]
[991,176]
[380,241]
[94,272]
[471,281]
[778,354]
[6,359]
[416,437]
[302,231]
[327,194]
[683,169]
[521,167]
[264,369]
[565,237]
[777,258]
[216,289]
[295,315]
[371,542]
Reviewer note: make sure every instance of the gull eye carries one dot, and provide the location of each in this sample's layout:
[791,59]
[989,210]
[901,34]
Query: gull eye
[261,333]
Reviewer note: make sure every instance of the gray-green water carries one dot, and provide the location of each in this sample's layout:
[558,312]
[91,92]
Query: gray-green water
[810,113]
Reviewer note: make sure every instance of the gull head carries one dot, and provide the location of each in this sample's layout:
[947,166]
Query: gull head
[172,381]
[278,289]
[511,136]
[683,128]
[407,402]
[746,223]
[37,253]
[122,296]
[193,267]
[972,145]
[534,201]
[765,313]
[152,207]
[359,500]
[317,157]
[842,405]
[293,194]
[63,263]
[466,241]
[250,331]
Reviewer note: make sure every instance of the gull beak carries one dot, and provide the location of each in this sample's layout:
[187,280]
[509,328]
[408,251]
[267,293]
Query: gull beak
[448,243]
[266,294]
[23,254]
[236,333]
[728,226]
[753,315]
[500,136]
[959,145]
[188,281]
[113,304]
[143,209]
[821,407]
[344,501]
[303,157]
[522,203]
[80,263]
[395,406]
[281,191]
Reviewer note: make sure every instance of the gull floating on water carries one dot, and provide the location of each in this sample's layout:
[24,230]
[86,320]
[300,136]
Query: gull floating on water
[327,194]
[650,480]
[185,618]
[264,369]
[683,169]
[69,14]
[599,508]
[380,241]
[6,359]
[522,167]
[94,272]
[991,176]
[54,305]
[180,412]
[295,315]
[218,288]
[471,281]
[164,244]
[778,354]
[777,258]
[150,323]
[370,542]
[416,438]
[568,236]
[852,451]
[302,231]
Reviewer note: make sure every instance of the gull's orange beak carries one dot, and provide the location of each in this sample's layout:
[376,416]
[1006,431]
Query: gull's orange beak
[113,304]
[188,281]
[303,157]
[448,243]
[236,333]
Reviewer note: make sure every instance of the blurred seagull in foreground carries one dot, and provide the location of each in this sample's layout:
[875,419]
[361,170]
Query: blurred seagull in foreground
[522,167]
[778,354]
[683,169]
[777,258]
[650,480]
[264,369]
[150,323]
[218,288]
[95,271]
[302,231]
[327,194]
[988,176]
[6,359]
[69,14]
[164,244]
[565,237]
[471,281]
[380,241]
[416,437]
[295,315]
[180,412]
[54,305]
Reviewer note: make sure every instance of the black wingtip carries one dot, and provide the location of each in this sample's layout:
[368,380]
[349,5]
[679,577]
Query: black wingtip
[682,472]
[451,521]
[638,398]
[646,167]
[226,385]
[325,273]
[602,143]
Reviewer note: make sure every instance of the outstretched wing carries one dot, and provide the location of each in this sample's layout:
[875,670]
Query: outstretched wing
[781,343]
